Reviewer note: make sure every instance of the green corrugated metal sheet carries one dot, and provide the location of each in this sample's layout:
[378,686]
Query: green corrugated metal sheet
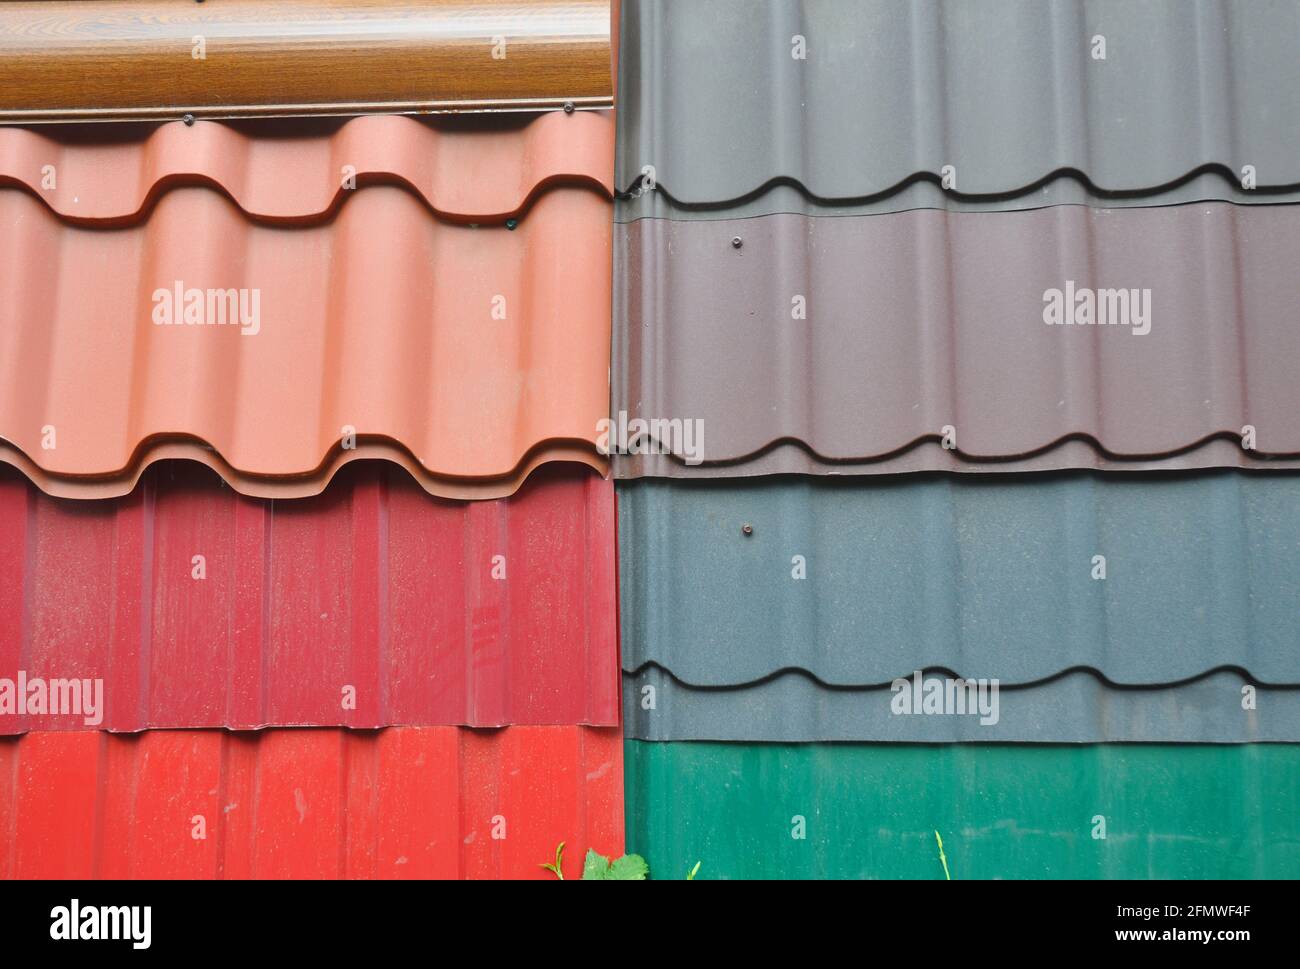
[1004,811]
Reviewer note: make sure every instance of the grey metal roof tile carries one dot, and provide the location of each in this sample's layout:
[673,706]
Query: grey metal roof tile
[1076,707]
[1007,91]
[980,576]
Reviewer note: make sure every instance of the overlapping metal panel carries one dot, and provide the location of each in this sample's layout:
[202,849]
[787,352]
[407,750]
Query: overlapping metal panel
[1024,811]
[849,101]
[471,353]
[369,605]
[407,802]
[861,341]
[1061,188]
[109,59]
[1076,707]
[299,171]
[978,576]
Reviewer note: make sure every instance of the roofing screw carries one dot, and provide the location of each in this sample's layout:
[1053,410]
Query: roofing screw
[568,107]
[736,242]
[188,119]
[747,529]
[511,223]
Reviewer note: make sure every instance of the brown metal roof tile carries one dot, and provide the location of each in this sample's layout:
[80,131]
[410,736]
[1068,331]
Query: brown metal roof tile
[113,59]
[381,317]
[925,319]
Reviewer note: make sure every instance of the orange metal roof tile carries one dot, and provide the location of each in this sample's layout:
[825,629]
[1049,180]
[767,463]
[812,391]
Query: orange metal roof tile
[378,316]
[294,171]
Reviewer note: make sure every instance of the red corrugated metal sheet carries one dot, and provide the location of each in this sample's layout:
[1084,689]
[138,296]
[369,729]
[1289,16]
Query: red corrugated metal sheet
[407,802]
[475,352]
[372,585]
[292,171]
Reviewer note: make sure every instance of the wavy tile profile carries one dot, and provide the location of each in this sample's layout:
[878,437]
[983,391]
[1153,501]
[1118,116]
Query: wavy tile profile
[926,323]
[479,351]
[370,605]
[298,171]
[408,802]
[1074,708]
[847,101]
[858,582]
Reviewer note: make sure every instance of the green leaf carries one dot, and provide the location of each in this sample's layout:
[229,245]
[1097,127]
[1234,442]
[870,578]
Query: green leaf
[629,868]
[596,867]
[693,872]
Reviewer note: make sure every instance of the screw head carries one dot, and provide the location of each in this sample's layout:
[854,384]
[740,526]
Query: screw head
[568,107]
[737,242]
[747,529]
[188,119]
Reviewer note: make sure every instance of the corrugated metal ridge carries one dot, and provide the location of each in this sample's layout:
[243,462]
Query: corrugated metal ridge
[370,605]
[717,99]
[923,320]
[113,59]
[1003,810]
[1061,188]
[975,576]
[407,802]
[296,171]
[1076,707]
[479,351]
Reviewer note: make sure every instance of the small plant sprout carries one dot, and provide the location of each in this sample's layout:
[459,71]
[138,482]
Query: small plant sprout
[559,861]
[690,877]
[942,857]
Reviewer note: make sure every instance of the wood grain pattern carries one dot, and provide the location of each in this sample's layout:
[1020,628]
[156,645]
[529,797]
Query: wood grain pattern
[71,60]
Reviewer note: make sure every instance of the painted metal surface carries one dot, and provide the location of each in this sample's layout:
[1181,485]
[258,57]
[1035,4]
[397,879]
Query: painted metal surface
[408,802]
[1004,811]
[979,576]
[110,59]
[477,352]
[369,605]
[1076,707]
[298,171]
[859,340]
[1060,188]
[1006,92]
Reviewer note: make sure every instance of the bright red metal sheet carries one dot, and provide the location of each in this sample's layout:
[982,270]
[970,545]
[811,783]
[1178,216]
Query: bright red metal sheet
[407,802]
[373,585]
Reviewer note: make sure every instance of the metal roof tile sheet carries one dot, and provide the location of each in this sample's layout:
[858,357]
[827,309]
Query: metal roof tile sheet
[1062,188]
[1004,811]
[477,351]
[1008,92]
[110,59]
[297,171]
[369,605]
[978,576]
[407,802]
[924,320]
[1077,707]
